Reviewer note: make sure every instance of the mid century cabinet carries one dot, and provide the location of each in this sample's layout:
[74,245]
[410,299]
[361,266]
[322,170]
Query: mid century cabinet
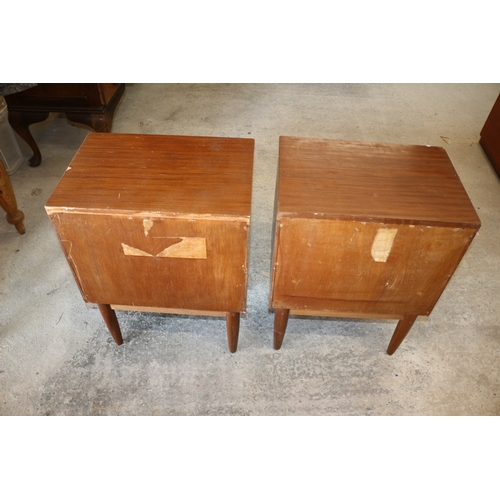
[158,223]
[365,230]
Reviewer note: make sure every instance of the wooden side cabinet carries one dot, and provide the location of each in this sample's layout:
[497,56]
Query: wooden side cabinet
[92,104]
[158,224]
[365,230]
[490,136]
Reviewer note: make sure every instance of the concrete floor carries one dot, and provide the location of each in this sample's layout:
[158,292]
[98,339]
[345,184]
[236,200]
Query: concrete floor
[57,357]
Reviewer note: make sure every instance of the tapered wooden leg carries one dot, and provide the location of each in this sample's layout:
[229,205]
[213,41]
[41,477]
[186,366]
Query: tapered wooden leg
[402,329]
[233,330]
[280,322]
[8,201]
[112,322]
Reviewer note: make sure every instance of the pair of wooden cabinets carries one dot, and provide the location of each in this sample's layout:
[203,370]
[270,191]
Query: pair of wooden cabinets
[162,224]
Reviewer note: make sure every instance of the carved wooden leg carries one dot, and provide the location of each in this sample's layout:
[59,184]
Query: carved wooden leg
[402,329]
[20,122]
[99,122]
[8,201]
[112,322]
[280,322]
[233,330]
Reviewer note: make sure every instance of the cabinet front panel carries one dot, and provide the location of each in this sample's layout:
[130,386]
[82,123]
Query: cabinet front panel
[364,268]
[157,262]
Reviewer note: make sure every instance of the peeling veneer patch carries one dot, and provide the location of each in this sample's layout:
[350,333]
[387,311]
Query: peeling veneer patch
[382,244]
[188,248]
[128,250]
[148,224]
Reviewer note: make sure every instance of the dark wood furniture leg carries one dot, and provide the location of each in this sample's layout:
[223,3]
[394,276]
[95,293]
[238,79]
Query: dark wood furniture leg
[99,122]
[8,201]
[402,329]
[233,330]
[280,322]
[20,122]
[112,322]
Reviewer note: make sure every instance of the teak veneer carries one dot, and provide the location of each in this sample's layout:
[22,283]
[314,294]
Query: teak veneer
[365,230]
[158,223]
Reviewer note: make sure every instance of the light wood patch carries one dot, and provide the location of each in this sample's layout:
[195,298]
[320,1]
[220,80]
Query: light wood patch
[188,248]
[382,244]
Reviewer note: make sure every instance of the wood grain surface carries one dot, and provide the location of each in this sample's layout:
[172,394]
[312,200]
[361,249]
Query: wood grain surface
[330,265]
[325,178]
[105,273]
[118,173]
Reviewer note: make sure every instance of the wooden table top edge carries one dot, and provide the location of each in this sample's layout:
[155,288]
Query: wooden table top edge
[333,140]
[53,209]
[173,136]
[378,219]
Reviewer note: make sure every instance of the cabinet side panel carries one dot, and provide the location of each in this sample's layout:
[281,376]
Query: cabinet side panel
[364,268]
[490,136]
[157,262]
[66,246]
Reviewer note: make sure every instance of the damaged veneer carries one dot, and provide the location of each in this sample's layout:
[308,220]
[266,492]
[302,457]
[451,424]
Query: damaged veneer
[173,240]
[365,230]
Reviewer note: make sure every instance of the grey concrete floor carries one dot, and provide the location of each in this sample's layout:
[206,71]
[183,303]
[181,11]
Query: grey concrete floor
[57,357]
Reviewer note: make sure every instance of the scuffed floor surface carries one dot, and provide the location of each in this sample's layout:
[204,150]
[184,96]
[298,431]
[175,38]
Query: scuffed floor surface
[57,357]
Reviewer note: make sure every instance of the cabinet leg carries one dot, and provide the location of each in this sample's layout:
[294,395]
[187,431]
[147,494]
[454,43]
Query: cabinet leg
[20,122]
[111,322]
[233,330]
[402,329]
[98,122]
[8,201]
[280,322]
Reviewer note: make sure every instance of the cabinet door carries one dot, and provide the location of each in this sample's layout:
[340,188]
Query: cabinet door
[364,268]
[157,262]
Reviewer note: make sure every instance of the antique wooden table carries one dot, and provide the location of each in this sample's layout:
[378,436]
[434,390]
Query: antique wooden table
[365,230]
[92,104]
[158,223]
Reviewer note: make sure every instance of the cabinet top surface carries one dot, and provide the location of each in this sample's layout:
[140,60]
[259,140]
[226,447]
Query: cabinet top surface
[158,173]
[367,180]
